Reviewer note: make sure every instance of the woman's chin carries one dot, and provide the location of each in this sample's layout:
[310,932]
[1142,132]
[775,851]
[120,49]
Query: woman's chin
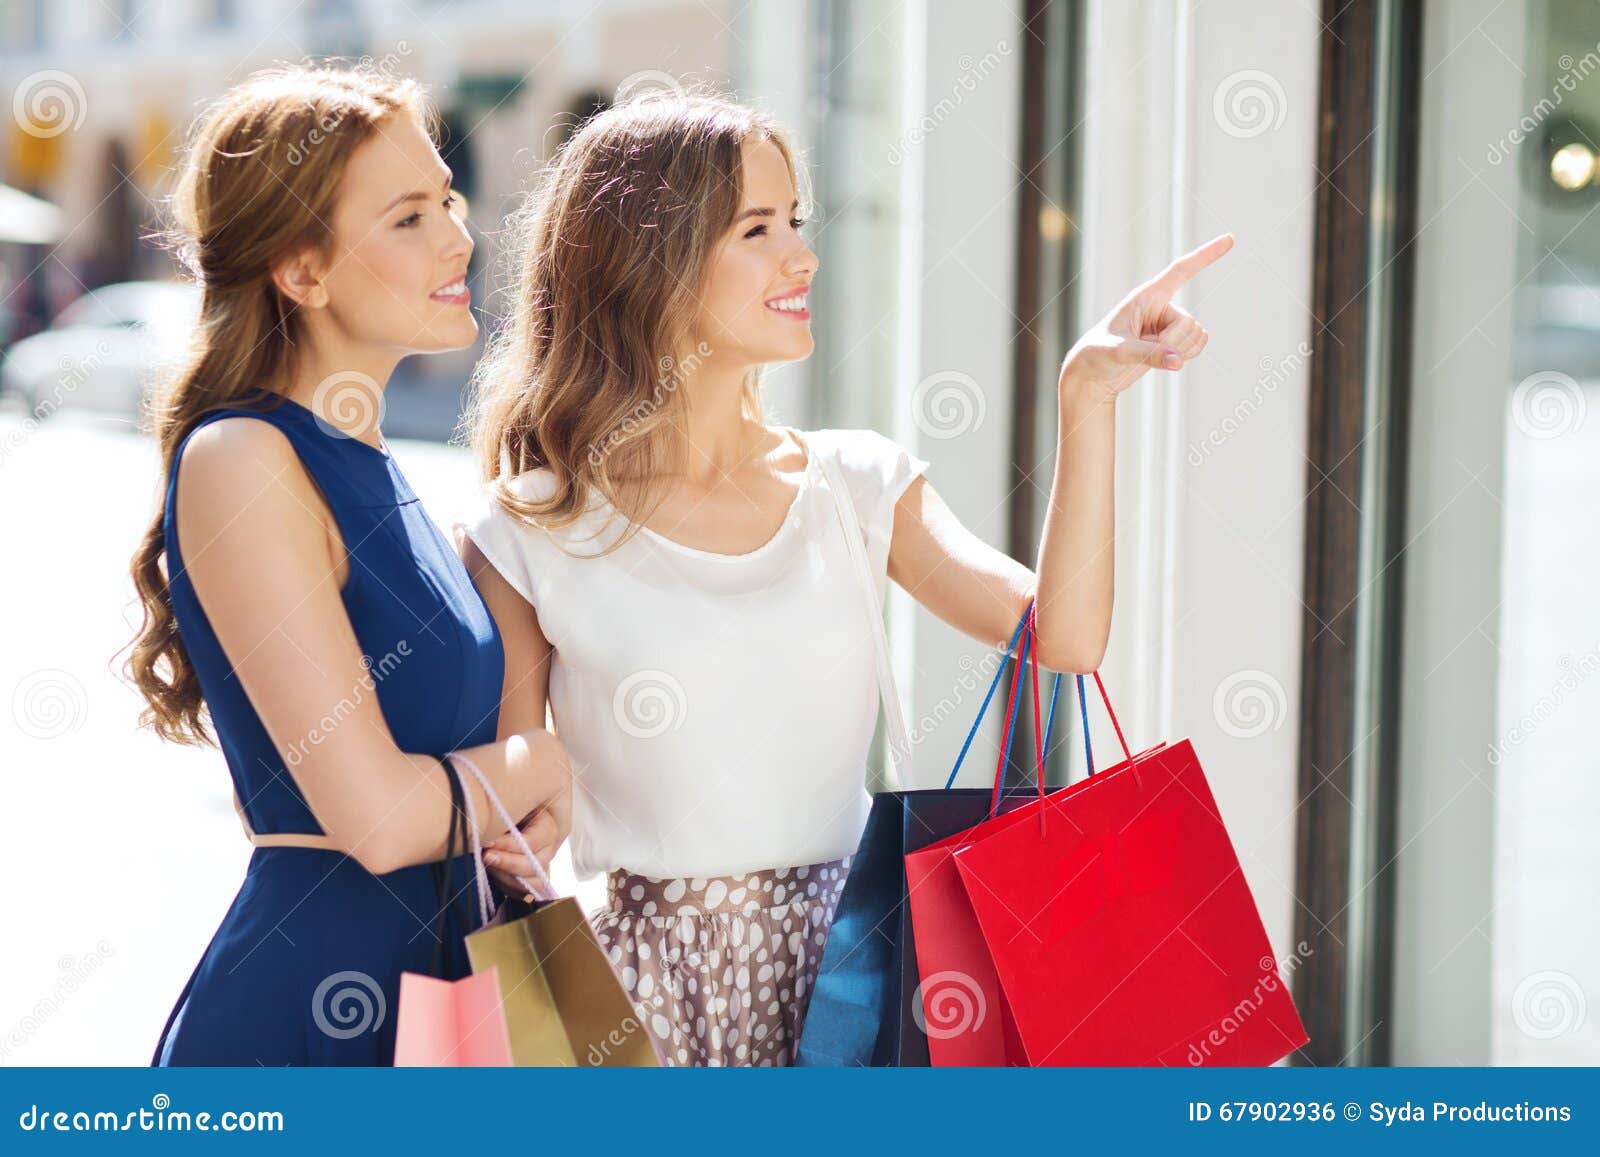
[796,349]
[442,339]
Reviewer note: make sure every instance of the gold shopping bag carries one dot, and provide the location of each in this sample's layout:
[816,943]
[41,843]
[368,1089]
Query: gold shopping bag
[563,1001]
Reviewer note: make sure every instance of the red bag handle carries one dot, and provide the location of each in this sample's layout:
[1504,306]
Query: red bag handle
[1031,650]
[1107,700]
[1030,655]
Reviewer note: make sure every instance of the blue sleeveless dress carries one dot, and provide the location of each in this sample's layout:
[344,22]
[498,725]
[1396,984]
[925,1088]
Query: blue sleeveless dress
[305,967]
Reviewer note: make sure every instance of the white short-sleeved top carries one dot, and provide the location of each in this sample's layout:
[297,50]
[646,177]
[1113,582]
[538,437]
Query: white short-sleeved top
[718,709]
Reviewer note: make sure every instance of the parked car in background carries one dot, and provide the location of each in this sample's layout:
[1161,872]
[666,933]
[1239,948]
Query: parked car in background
[104,350]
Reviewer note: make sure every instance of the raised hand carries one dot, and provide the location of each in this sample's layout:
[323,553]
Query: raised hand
[1145,331]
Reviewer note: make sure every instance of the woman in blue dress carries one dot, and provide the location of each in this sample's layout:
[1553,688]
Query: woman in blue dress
[297,598]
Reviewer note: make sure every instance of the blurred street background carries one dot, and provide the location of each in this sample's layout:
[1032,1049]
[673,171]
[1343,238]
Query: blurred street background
[1356,540]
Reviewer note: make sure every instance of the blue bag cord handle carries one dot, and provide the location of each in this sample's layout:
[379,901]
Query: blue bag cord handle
[1083,713]
[1050,717]
[984,707]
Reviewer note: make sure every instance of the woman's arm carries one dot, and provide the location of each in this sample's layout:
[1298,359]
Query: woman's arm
[258,551]
[522,708]
[981,591]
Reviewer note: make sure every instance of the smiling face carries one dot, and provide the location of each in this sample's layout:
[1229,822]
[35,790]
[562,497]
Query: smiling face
[394,273]
[753,308]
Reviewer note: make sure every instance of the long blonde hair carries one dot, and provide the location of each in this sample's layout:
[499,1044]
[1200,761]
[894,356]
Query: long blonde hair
[611,255]
[258,182]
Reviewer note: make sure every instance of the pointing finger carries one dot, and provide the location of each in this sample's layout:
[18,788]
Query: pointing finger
[1173,277]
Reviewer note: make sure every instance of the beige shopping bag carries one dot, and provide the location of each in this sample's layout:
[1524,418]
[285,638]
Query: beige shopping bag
[563,1001]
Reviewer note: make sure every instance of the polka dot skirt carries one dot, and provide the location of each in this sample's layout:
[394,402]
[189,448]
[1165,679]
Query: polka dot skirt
[721,968]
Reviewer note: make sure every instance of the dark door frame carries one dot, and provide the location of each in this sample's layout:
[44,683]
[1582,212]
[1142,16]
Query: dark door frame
[1368,113]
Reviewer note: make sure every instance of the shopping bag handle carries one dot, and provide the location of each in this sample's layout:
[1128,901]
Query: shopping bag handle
[1083,708]
[983,708]
[1031,639]
[441,869]
[1111,711]
[1083,713]
[541,888]
[1028,663]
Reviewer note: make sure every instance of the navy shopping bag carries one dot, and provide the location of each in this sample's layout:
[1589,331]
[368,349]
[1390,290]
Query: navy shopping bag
[864,1003]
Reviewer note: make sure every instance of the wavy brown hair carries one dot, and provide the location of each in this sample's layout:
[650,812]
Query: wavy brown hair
[258,183]
[610,254]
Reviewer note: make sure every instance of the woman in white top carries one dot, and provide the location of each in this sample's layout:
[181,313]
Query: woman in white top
[672,573]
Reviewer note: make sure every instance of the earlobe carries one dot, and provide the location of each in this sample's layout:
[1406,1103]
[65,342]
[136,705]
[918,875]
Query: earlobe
[298,282]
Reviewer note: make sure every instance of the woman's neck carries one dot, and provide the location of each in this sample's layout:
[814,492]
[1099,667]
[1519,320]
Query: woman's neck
[343,383]
[717,435]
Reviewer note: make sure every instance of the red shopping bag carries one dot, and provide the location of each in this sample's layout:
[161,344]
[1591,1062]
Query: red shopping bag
[1120,925]
[967,1018]
[964,1010]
